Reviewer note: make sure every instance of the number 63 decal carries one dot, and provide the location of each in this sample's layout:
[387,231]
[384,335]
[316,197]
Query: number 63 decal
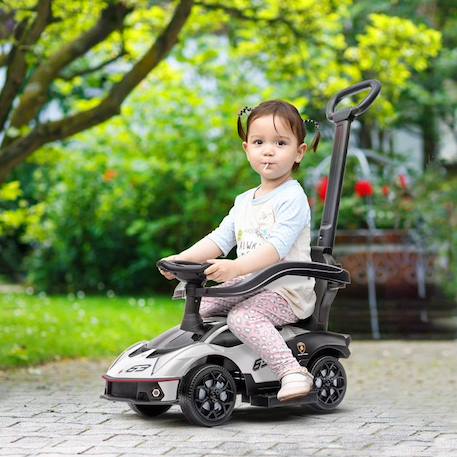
[138,368]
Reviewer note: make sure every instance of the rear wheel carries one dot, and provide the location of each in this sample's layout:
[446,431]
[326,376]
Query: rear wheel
[330,382]
[208,395]
[149,410]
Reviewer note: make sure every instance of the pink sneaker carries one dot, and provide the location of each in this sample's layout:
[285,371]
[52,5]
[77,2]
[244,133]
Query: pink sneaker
[295,385]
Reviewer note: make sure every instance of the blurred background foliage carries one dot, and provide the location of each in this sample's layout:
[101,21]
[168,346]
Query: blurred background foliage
[96,210]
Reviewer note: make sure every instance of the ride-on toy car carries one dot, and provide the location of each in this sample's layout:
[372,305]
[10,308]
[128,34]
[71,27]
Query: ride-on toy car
[202,366]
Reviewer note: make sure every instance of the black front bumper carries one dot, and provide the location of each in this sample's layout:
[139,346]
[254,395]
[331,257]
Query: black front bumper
[138,402]
[138,392]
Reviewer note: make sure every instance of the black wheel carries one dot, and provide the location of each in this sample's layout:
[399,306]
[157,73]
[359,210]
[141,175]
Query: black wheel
[149,410]
[330,382]
[207,395]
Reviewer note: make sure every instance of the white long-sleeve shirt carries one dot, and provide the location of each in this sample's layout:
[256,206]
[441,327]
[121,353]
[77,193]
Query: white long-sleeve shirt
[281,217]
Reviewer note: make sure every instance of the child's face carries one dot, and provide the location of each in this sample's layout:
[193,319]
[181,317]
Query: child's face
[278,147]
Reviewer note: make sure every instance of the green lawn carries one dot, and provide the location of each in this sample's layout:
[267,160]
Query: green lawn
[38,328]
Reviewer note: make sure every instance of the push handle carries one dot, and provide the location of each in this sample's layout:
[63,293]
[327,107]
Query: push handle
[355,111]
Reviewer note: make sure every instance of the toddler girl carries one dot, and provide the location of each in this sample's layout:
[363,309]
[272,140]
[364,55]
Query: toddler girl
[268,224]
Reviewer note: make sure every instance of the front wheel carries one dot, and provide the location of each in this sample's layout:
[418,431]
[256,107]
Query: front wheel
[207,395]
[149,410]
[330,382]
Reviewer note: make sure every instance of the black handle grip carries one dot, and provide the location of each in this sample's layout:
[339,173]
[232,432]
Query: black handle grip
[181,265]
[355,111]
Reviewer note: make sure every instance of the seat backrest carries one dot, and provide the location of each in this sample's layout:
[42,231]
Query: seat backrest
[325,294]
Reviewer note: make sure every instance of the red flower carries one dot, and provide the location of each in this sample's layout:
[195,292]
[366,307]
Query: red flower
[403,182]
[109,175]
[386,191]
[321,188]
[364,189]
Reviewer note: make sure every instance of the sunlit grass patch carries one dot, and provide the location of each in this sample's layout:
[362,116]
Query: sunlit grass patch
[38,328]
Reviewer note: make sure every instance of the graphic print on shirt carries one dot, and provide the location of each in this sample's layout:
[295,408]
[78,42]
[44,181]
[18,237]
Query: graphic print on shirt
[266,220]
[260,229]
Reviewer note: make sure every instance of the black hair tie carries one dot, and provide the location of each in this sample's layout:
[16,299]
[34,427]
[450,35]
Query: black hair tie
[246,109]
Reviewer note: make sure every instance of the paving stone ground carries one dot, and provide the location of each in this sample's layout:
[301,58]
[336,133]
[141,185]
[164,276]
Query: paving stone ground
[401,401]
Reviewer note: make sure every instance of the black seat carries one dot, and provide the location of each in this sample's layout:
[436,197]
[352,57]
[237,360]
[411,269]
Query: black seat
[325,294]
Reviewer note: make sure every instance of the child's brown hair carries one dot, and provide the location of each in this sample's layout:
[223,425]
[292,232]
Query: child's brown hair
[287,112]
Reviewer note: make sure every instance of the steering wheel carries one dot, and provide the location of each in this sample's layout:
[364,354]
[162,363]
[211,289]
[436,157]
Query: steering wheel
[185,270]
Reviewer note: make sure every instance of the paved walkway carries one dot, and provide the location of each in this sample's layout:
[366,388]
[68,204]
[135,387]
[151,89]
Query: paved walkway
[401,401]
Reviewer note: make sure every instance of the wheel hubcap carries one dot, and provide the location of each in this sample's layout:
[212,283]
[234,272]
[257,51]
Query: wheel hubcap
[330,382]
[214,396]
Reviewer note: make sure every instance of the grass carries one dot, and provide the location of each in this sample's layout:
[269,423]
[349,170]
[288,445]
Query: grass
[35,329]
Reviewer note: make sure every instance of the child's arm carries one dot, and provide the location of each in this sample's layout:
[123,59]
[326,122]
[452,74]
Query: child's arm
[201,251]
[218,242]
[261,257]
[224,269]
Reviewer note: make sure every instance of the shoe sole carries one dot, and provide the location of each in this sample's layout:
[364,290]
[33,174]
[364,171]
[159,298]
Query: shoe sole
[294,396]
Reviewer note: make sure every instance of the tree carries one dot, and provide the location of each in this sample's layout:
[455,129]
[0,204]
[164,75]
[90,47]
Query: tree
[308,58]
[28,80]
[429,96]
[78,61]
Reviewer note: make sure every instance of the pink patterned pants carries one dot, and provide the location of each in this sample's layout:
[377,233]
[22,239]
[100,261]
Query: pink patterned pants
[252,318]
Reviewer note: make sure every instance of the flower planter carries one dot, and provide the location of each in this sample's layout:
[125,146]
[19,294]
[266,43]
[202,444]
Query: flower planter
[406,304]
[396,259]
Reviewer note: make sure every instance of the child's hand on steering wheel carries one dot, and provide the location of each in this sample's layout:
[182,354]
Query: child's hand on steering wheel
[222,270]
[168,274]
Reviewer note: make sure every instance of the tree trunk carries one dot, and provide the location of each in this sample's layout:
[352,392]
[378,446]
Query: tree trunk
[381,139]
[430,136]
[365,135]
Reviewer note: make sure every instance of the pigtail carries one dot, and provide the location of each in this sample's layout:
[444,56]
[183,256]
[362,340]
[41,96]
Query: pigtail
[315,142]
[317,134]
[242,134]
